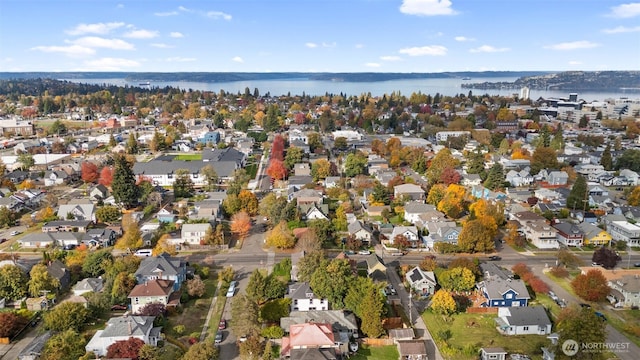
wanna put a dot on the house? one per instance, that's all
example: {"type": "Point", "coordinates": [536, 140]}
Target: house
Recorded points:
{"type": "Point", "coordinates": [80, 226]}
{"type": "Point", "coordinates": [331, 181]}
{"type": "Point", "coordinates": [55, 177]}
{"type": "Point", "coordinates": [624, 231]}
{"type": "Point", "coordinates": [302, 169]}
{"type": "Point", "coordinates": [632, 177]}
{"type": "Point", "coordinates": [413, 210]}
{"type": "Point", "coordinates": [209, 138]}
{"type": "Point", "coordinates": [518, 178]}
{"type": "Point", "coordinates": [545, 194]}
{"type": "Point", "coordinates": [628, 287]}
{"type": "Point", "coordinates": [49, 239]}
{"type": "Point", "coordinates": [297, 182]}
{"type": "Point", "coordinates": [87, 285]}
{"type": "Point", "coordinates": [361, 231]}
{"type": "Point", "coordinates": [423, 282]}
{"type": "Point", "coordinates": [33, 350]}
{"type": "Point", "coordinates": [157, 291]}
{"type": "Point", "coordinates": [527, 320]}
{"type": "Point", "coordinates": [121, 329]}
{"type": "Point", "coordinates": [308, 336]}
{"type": "Point", "coordinates": [558, 178]}
{"type": "Point", "coordinates": [409, 232]}
{"type": "Point", "coordinates": [314, 211]}
{"type": "Point", "coordinates": [500, 292]}
{"type": "Point", "coordinates": [541, 234]}
{"type": "Point", "coordinates": [410, 191]}
{"type": "Point", "coordinates": [166, 215]}
{"type": "Point", "coordinates": [194, 234]}
{"type": "Point", "coordinates": [100, 192]}
{"type": "Point", "coordinates": [307, 196]}
{"type": "Point", "coordinates": [101, 237]}
{"type": "Point", "coordinates": [59, 271]}
{"type": "Point", "coordinates": [493, 354]}
{"type": "Point", "coordinates": [593, 235]}
{"type": "Point", "coordinates": [471, 180]}
{"type": "Point", "coordinates": [303, 298]}
{"type": "Point", "coordinates": [84, 211]}
{"type": "Point", "coordinates": [164, 267]}
{"type": "Point", "coordinates": [568, 234]}
{"type": "Point", "coordinates": [442, 232]}
{"type": "Point", "coordinates": [401, 334]}
{"type": "Point", "coordinates": [376, 268]}
{"type": "Point", "coordinates": [341, 321]}
{"type": "Point", "coordinates": [412, 350]}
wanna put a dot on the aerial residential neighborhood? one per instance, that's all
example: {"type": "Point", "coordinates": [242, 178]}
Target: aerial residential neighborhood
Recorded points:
{"type": "Point", "coordinates": [204, 225]}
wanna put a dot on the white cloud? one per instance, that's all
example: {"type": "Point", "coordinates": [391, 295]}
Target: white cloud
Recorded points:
{"type": "Point", "coordinates": [359, 46]}
{"type": "Point", "coordinates": [218, 15]}
{"type": "Point", "coordinates": [329, 45]}
{"type": "Point", "coordinates": [372, 65]}
{"type": "Point", "coordinates": [621, 29]}
{"type": "Point", "coordinates": [72, 50]}
{"type": "Point", "coordinates": [488, 49]}
{"type": "Point", "coordinates": [97, 28]}
{"type": "Point", "coordinates": [182, 8]}
{"type": "Point", "coordinates": [98, 42]}
{"type": "Point", "coordinates": [311, 45]}
{"type": "Point", "coordinates": [180, 59]}
{"type": "Point", "coordinates": [625, 10]}
{"type": "Point", "coordinates": [574, 45]}
{"type": "Point", "coordinates": [110, 64]}
{"type": "Point", "coordinates": [162, 46]}
{"type": "Point", "coordinates": [237, 59]}
{"type": "Point", "coordinates": [463, 38]}
{"type": "Point", "coordinates": [434, 50]}
{"type": "Point", "coordinates": [575, 62]}
{"type": "Point", "coordinates": [141, 34]}
{"type": "Point", "coordinates": [390, 58]}
{"type": "Point", "coordinates": [167, 13]}
{"type": "Point", "coordinates": [120, 6]}
{"type": "Point", "coordinates": [427, 7]}
{"type": "Point", "coordinates": [176, 35]}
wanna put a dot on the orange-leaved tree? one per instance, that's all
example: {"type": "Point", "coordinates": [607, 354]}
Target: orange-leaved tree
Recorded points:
{"type": "Point", "coordinates": [241, 224]}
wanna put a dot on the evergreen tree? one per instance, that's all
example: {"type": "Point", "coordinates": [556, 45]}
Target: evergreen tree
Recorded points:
{"type": "Point", "coordinates": [123, 186]}
{"type": "Point", "coordinates": [606, 160]}
{"type": "Point", "coordinates": [495, 178]}
{"type": "Point", "coordinates": [112, 140]}
{"type": "Point", "coordinates": [183, 185]}
{"type": "Point", "coordinates": [475, 163]}
{"type": "Point", "coordinates": [578, 194]}
{"type": "Point", "coordinates": [132, 144]}
{"type": "Point", "coordinates": [584, 122]}
{"type": "Point", "coordinates": [557, 143]}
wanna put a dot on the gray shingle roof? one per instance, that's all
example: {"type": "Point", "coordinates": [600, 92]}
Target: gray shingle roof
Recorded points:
{"type": "Point", "coordinates": [528, 315]}
{"type": "Point", "coordinates": [168, 265]}
{"type": "Point", "coordinates": [497, 287]}
{"type": "Point", "coordinates": [128, 325]}
{"type": "Point", "coordinates": [339, 319]}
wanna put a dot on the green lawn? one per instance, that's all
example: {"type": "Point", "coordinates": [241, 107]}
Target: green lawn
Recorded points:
{"type": "Point", "coordinates": [194, 312]}
{"type": "Point", "coordinates": [627, 322]}
{"type": "Point", "coordinates": [461, 337]}
{"type": "Point", "coordinates": [189, 157]}
{"type": "Point", "coordinates": [252, 170]}
{"type": "Point", "coordinates": [377, 353]}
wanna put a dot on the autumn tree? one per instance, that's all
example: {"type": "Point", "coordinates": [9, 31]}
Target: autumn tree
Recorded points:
{"type": "Point", "coordinates": [205, 350]}
{"type": "Point", "coordinates": [436, 193]}
{"type": "Point", "coordinates": [429, 263]}
{"type": "Point", "coordinates": [13, 282]}
{"type": "Point", "coordinates": [164, 246]}
{"type": "Point", "coordinates": [65, 345]}
{"type": "Point", "coordinates": [634, 197]}
{"type": "Point", "coordinates": [11, 323]}
{"type": "Point", "coordinates": [482, 207]}
{"type": "Point", "coordinates": [106, 176]}
{"type": "Point", "coordinates": [40, 280]}
{"type": "Point", "coordinates": [439, 163]}
{"type": "Point", "coordinates": [276, 169]}
{"type": "Point", "coordinates": [355, 164]}
{"type": "Point", "coordinates": [583, 326]}
{"type": "Point", "coordinates": [89, 172]}
{"type": "Point", "coordinates": [453, 201]}
{"type": "Point", "coordinates": [464, 262]}
{"type": "Point", "coordinates": [248, 202]}
{"type": "Point", "coordinates": [543, 158]}
{"type": "Point", "coordinates": [320, 169]}
{"type": "Point", "coordinates": [606, 257]}
{"type": "Point", "coordinates": [443, 303]}
{"type": "Point", "coordinates": [591, 286]}
{"type": "Point", "coordinates": [478, 235]}
{"type": "Point", "coordinates": [449, 176]}
{"type": "Point", "coordinates": [196, 287]}
{"type": "Point", "coordinates": [294, 156]}
{"type": "Point", "coordinates": [125, 349]}
{"type": "Point", "coordinates": [512, 236]}
{"type": "Point", "coordinates": [280, 236]}
{"type": "Point", "coordinates": [457, 279]}
{"type": "Point", "coordinates": [67, 315]}
{"type": "Point", "coordinates": [108, 214]}
{"type": "Point", "coordinates": [241, 225]}
{"type": "Point", "coordinates": [131, 239]}
{"type": "Point", "coordinates": [401, 242]}
{"type": "Point", "coordinates": [309, 241]}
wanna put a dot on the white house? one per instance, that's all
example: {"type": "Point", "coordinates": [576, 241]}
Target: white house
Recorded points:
{"type": "Point", "coordinates": [303, 298]}
{"type": "Point", "coordinates": [152, 292]}
{"type": "Point", "coordinates": [193, 234]}
{"type": "Point", "coordinates": [525, 320]}
{"type": "Point", "coordinates": [413, 210]}
{"type": "Point", "coordinates": [88, 285]}
{"type": "Point", "coordinates": [409, 232]}
{"type": "Point", "coordinates": [422, 282]}
{"type": "Point", "coordinates": [541, 234]}
{"type": "Point", "coordinates": [624, 231]}
{"type": "Point", "coordinates": [121, 329]}
{"type": "Point", "coordinates": [362, 232]}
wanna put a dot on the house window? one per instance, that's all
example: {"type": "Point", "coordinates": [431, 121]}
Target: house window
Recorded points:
{"type": "Point", "coordinates": [135, 300]}
{"type": "Point", "coordinates": [525, 328]}
{"type": "Point", "coordinates": [509, 296]}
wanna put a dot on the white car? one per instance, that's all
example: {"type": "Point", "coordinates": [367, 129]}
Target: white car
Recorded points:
{"type": "Point", "coordinates": [15, 232]}
{"type": "Point", "coordinates": [364, 252]}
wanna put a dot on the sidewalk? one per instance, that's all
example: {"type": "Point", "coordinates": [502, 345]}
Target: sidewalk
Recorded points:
{"type": "Point", "coordinates": [205, 327]}
{"type": "Point", "coordinates": [418, 323]}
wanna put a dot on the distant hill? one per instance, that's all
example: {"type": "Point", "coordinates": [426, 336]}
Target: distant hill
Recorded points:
{"type": "Point", "coordinates": [214, 77]}
{"type": "Point", "coordinates": [570, 80]}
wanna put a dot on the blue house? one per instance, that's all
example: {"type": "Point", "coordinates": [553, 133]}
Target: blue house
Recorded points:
{"type": "Point", "coordinates": [166, 215]}
{"type": "Point", "coordinates": [482, 192]}
{"type": "Point", "coordinates": [210, 138]}
{"type": "Point", "coordinates": [500, 292]}
{"type": "Point", "coordinates": [162, 267]}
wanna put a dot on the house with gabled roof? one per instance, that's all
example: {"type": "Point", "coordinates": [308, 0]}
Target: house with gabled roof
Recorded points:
{"type": "Point", "coordinates": [157, 291]}
{"type": "Point", "coordinates": [526, 320]}
{"type": "Point", "coordinates": [376, 269]}
{"type": "Point", "coordinates": [86, 211]}
{"type": "Point", "coordinates": [341, 321]}
{"type": "Point", "coordinates": [499, 292]}
{"type": "Point", "coordinates": [86, 285]}
{"type": "Point", "coordinates": [442, 231]}
{"type": "Point", "coordinates": [163, 267]}
{"type": "Point", "coordinates": [412, 349]}
{"type": "Point", "coordinates": [303, 298]}
{"type": "Point", "coordinates": [308, 336]}
{"type": "Point", "coordinates": [593, 235]}
{"type": "Point", "coordinates": [121, 329]}
{"type": "Point", "coordinates": [568, 234]}
{"type": "Point", "coordinates": [413, 210]}
{"type": "Point", "coordinates": [411, 191]}
{"type": "Point", "coordinates": [423, 282]}
{"type": "Point", "coordinates": [361, 231]}
{"type": "Point", "coordinates": [314, 211]}
{"type": "Point", "coordinates": [409, 232]}
{"type": "Point", "coordinates": [194, 234]}
{"type": "Point", "coordinates": [307, 196]}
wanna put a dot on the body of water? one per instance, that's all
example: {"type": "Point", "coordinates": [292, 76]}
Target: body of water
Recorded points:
{"type": "Point", "coordinates": [450, 87]}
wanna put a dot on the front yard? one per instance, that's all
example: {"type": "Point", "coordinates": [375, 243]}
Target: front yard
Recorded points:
{"type": "Point", "coordinates": [366, 352]}
{"type": "Point", "coordinates": [462, 335]}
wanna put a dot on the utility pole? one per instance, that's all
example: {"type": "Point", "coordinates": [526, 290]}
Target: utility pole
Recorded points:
{"type": "Point", "coordinates": [410, 307]}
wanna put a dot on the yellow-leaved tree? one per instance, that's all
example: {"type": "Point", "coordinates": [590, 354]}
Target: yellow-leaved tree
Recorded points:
{"type": "Point", "coordinates": [281, 237]}
{"type": "Point", "coordinates": [443, 303]}
{"type": "Point", "coordinates": [240, 225]}
{"type": "Point", "coordinates": [131, 239]}
{"type": "Point", "coordinates": [163, 246]}
{"type": "Point", "coordinates": [453, 202]}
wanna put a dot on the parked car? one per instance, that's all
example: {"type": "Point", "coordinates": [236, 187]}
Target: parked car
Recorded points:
{"type": "Point", "coordinates": [495, 258]}
{"type": "Point", "coordinates": [218, 337]}
{"type": "Point", "coordinates": [397, 253]}
{"type": "Point", "coordinates": [561, 303]}
{"type": "Point", "coordinates": [364, 252]}
{"type": "Point", "coordinates": [2, 240]}
{"type": "Point", "coordinates": [222, 324]}
{"type": "Point", "coordinates": [553, 296]}
{"type": "Point", "coordinates": [637, 264]}
{"type": "Point", "coordinates": [601, 316]}
{"type": "Point", "coordinates": [15, 232]}
{"type": "Point", "coordinates": [118, 307]}
{"type": "Point", "coordinates": [232, 289]}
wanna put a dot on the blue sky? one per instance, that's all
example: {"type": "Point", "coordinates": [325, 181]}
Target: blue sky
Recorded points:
{"type": "Point", "coordinates": [319, 36]}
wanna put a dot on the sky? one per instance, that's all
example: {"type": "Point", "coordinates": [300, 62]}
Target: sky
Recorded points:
{"type": "Point", "coordinates": [319, 36]}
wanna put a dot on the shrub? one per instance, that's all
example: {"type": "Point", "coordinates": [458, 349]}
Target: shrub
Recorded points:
{"type": "Point", "coordinates": [179, 329]}
{"type": "Point", "coordinates": [559, 271]}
